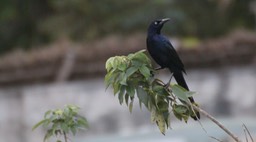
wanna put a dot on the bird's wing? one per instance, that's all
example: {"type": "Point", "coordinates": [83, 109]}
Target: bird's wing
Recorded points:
{"type": "Point", "coordinates": [170, 52]}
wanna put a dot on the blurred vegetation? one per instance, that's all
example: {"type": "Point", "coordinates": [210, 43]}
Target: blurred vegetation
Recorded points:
{"type": "Point", "coordinates": [26, 23]}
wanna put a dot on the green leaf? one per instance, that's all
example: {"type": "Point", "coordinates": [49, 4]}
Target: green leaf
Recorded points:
{"type": "Point", "coordinates": [126, 99]}
{"type": "Point", "coordinates": [141, 57]}
{"type": "Point", "coordinates": [39, 123]}
{"type": "Point", "coordinates": [177, 115]}
{"type": "Point", "coordinates": [180, 93]}
{"type": "Point", "coordinates": [116, 62]}
{"type": "Point", "coordinates": [55, 126]}
{"type": "Point", "coordinates": [48, 134]}
{"type": "Point", "coordinates": [130, 106]}
{"type": "Point", "coordinates": [136, 64]}
{"type": "Point", "coordinates": [143, 96]}
{"type": "Point", "coordinates": [116, 87]}
{"type": "Point", "coordinates": [58, 112]}
{"type": "Point", "coordinates": [122, 78]}
{"type": "Point", "coordinates": [64, 127]}
{"type": "Point", "coordinates": [109, 63]}
{"type": "Point", "coordinates": [181, 112]}
{"type": "Point", "coordinates": [167, 119]}
{"type": "Point", "coordinates": [82, 122]}
{"type": "Point", "coordinates": [190, 93]}
{"type": "Point", "coordinates": [121, 94]}
{"type": "Point", "coordinates": [130, 90]}
{"type": "Point", "coordinates": [110, 78]}
{"type": "Point", "coordinates": [162, 106]}
{"type": "Point", "coordinates": [47, 113]}
{"type": "Point", "coordinates": [122, 64]}
{"type": "Point", "coordinates": [130, 71]}
{"type": "Point", "coordinates": [145, 71]}
{"type": "Point", "coordinates": [181, 109]}
{"type": "Point", "coordinates": [73, 130]}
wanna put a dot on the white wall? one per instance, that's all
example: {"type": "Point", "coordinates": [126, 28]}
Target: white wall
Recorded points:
{"type": "Point", "coordinates": [22, 107]}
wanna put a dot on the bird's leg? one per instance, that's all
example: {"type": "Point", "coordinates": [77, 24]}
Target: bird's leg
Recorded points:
{"type": "Point", "coordinates": [168, 83]}
{"type": "Point", "coordinates": [159, 68]}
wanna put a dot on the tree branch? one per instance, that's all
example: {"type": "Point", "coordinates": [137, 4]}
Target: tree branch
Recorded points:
{"type": "Point", "coordinates": [65, 136]}
{"type": "Point", "coordinates": [217, 123]}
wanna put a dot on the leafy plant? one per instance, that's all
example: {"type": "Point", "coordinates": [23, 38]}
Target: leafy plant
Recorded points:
{"type": "Point", "coordinates": [133, 75]}
{"type": "Point", "coordinates": [61, 122]}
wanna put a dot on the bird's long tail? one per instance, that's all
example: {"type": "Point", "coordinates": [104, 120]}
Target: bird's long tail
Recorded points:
{"type": "Point", "coordinates": [181, 81]}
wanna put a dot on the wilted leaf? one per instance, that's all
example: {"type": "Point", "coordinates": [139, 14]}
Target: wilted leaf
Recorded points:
{"type": "Point", "coordinates": [160, 123]}
{"type": "Point", "coordinates": [153, 116]}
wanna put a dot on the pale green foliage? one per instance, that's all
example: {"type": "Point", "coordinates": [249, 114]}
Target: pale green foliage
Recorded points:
{"type": "Point", "coordinates": [133, 74]}
{"type": "Point", "coordinates": [62, 122]}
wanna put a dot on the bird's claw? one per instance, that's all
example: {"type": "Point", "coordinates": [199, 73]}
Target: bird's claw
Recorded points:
{"type": "Point", "coordinates": [152, 73]}
{"type": "Point", "coordinates": [166, 86]}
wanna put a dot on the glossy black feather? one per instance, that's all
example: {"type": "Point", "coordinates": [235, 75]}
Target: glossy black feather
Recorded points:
{"type": "Point", "coordinates": [162, 51]}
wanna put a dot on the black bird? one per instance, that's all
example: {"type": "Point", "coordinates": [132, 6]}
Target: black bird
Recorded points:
{"type": "Point", "coordinates": [162, 51]}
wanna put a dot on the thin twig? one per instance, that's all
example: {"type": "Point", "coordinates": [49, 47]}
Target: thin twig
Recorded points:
{"type": "Point", "coordinates": [191, 105]}
{"type": "Point", "coordinates": [245, 135]}
{"type": "Point", "coordinates": [217, 123]}
{"type": "Point", "coordinates": [215, 139]}
{"type": "Point", "coordinates": [246, 129]}
{"type": "Point", "coordinates": [65, 136]}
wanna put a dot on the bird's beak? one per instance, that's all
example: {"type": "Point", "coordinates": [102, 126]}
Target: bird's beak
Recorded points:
{"type": "Point", "coordinates": [165, 20]}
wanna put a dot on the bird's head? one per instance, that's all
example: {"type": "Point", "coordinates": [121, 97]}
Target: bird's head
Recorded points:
{"type": "Point", "coordinates": [156, 26]}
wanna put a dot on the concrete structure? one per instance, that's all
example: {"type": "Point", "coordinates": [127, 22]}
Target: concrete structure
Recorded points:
{"type": "Point", "coordinates": [22, 107]}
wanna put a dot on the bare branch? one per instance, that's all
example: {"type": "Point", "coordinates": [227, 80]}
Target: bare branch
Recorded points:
{"type": "Point", "coordinates": [246, 130]}
{"type": "Point", "coordinates": [245, 135]}
{"type": "Point", "coordinates": [65, 136]}
{"type": "Point", "coordinates": [217, 123]}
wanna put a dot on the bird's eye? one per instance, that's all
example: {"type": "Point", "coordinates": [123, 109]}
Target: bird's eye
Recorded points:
{"type": "Point", "coordinates": [156, 23]}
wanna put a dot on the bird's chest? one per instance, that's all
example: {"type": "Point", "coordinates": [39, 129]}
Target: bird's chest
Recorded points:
{"type": "Point", "coordinates": [155, 47]}
{"type": "Point", "coordinates": [157, 51]}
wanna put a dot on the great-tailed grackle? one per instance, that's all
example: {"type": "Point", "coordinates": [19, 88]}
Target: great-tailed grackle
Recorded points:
{"type": "Point", "coordinates": [162, 51]}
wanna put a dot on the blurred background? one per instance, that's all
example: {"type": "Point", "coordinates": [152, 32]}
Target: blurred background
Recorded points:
{"type": "Point", "coordinates": [53, 52]}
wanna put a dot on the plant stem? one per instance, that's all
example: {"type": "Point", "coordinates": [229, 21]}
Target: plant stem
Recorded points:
{"type": "Point", "coordinates": [65, 136]}
{"type": "Point", "coordinates": [217, 123]}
